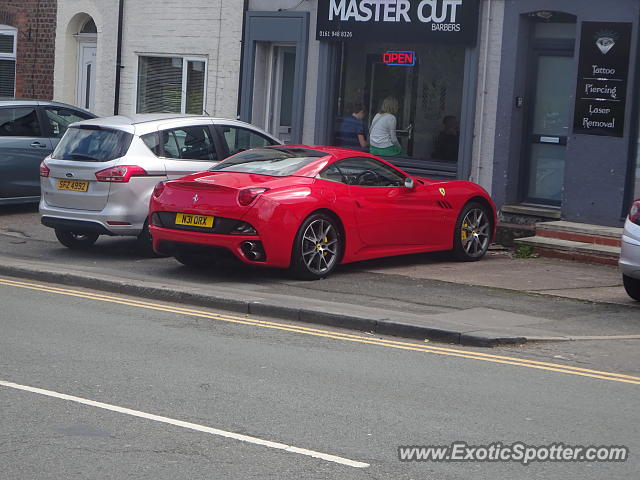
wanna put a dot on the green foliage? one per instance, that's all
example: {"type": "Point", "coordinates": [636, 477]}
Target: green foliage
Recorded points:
{"type": "Point", "coordinates": [524, 251]}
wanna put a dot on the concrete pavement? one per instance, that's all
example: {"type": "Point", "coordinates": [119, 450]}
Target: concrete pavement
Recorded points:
{"type": "Point", "coordinates": [547, 276]}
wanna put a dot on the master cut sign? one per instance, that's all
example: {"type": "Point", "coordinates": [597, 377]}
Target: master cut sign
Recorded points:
{"type": "Point", "coordinates": [437, 11]}
{"type": "Point", "coordinates": [449, 21]}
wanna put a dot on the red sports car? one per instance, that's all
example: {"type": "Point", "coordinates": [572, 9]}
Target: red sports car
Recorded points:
{"type": "Point", "coordinates": [312, 208]}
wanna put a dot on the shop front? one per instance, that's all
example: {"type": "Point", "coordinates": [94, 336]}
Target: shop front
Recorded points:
{"type": "Point", "coordinates": [302, 80]}
{"type": "Point", "coordinates": [567, 131]}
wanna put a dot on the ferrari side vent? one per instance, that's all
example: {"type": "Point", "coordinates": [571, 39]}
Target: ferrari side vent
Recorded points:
{"type": "Point", "coordinates": [445, 205]}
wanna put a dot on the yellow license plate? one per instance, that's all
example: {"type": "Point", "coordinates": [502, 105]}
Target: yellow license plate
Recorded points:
{"type": "Point", "coordinates": [73, 185]}
{"type": "Point", "coordinates": [194, 220]}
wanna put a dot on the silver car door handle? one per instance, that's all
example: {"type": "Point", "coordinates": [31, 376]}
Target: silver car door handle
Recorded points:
{"type": "Point", "coordinates": [38, 145]}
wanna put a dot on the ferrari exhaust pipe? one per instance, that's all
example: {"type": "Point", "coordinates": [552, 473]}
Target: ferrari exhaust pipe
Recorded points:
{"type": "Point", "coordinates": [253, 251]}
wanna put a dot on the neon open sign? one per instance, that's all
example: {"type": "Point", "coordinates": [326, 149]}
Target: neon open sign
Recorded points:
{"type": "Point", "coordinates": [399, 58]}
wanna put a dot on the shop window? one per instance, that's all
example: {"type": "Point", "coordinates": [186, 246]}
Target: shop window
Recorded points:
{"type": "Point", "coordinates": [426, 81]}
{"type": "Point", "coordinates": [171, 85]}
{"type": "Point", "coordinates": [7, 61]}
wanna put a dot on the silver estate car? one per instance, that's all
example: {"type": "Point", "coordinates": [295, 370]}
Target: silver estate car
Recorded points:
{"type": "Point", "coordinates": [99, 179]}
{"type": "Point", "coordinates": [630, 252]}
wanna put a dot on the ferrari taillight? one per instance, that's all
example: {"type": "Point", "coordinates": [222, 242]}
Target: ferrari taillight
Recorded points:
{"type": "Point", "coordinates": [158, 189]}
{"type": "Point", "coordinates": [634, 212]}
{"type": "Point", "coordinates": [120, 174]}
{"type": "Point", "coordinates": [44, 170]}
{"type": "Point", "coordinates": [248, 195]}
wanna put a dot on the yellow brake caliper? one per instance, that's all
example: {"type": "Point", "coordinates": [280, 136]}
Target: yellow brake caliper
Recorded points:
{"type": "Point", "coordinates": [464, 231]}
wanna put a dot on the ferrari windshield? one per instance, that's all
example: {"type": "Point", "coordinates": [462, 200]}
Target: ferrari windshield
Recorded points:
{"type": "Point", "coordinates": [275, 162]}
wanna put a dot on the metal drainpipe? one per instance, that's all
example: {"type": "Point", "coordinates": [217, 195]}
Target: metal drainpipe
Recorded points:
{"type": "Point", "coordinates": [116, 101]}
{"type": "Point", "coordinates": [245, 8]}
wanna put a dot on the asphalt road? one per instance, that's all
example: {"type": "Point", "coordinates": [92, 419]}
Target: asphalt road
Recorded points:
{"type": "Point", "coordinates": [355, 397]}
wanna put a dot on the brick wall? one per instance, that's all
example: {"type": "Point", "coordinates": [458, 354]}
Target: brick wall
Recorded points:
{"type": "Point", "coordinates": [36, 24]}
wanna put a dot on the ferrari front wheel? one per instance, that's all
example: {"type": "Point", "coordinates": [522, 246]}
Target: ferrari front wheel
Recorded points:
{"type": "Point", "coordinates": [472, 233]}
{"type": "Point", "coordinates": [317, 247]}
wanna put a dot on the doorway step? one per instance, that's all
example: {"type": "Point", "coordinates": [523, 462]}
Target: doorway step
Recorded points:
{"type": "Point", "coordinates": [517, 221]}
{"type": "Point", "coordinates": [575, 241]}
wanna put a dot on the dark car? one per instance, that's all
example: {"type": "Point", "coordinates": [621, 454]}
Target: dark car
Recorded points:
{"type": "Point", "coordinates": [29, 131]}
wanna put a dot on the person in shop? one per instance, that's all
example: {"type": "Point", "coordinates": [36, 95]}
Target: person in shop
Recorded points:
{"type": "Point", "coordinates": [350, 132]}
{"type": "Point", "coordinates": [382, 135]}
{"type": "Point", "coordinates": [446, 143]}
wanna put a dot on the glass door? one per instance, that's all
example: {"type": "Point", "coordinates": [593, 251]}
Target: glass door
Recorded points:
{"type": "Point", "coordinates": [550, 123]}
{"type": "Point", "coordinates": [283, 69]}
{"type": "Point", "coordinates": [398, 82]}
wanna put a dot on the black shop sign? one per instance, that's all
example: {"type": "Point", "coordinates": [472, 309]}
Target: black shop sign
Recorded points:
{"type": "Point", "coordinates": [603, 69]}
{"type": "Point", "coordinates": [414, 21]}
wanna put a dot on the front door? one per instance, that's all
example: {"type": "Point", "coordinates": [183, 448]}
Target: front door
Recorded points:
{"type": "Point", "coordinates": [399, 82]}
{"type": "Point", "coordinates": [87, 75]}
{"type": "Point", "coordinates": [280, 108]}
{"type": "Point", "coordinates": [549, 126]}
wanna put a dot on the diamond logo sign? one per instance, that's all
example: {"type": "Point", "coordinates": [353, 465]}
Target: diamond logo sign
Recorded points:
{"type": "Point", "coordinates": [605, 41]}
{"type": "Point", "coordinates": [605, 44]}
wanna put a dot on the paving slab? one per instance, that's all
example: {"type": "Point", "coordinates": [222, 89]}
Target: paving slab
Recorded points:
{"type": "Point", "coordinates": [501, 270]}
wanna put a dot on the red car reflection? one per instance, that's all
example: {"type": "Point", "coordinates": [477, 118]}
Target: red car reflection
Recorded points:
{"type": "Point", "coordinates": [311, 208]}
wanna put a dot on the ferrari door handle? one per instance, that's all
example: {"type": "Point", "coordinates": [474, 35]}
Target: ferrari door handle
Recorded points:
{"type": "Point", "coordinates": [358, 204]}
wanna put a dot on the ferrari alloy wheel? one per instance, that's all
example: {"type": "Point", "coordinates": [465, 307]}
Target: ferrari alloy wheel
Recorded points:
{"type": "Point", "coordinates": [318, 247]}
{"type": "Point", "coordinates": [76, 240]}
{"type": "Point", "coordinates": [472, 233]}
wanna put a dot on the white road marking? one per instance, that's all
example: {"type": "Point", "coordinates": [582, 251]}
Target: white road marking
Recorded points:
{"type": "Point", "coordinates": [190, 426]}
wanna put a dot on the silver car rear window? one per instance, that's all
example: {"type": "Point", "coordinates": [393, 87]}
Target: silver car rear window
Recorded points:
{"type": "Point", "coordinates": [92, 144]}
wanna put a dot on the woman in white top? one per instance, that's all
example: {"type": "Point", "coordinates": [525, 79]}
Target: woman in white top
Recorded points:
{"type": "Point", "coordinates": [382, 135]}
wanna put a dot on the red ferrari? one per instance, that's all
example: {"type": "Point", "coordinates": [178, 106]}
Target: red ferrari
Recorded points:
{"type": "Point", "coordinates": [312, 208]}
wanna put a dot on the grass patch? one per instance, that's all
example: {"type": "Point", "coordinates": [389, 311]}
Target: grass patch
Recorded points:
{"type": "Point", "coordinates": [524, 251]}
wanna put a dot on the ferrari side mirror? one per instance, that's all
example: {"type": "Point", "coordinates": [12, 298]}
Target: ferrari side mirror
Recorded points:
{"type": "Point", "coordinates": [408, 183]}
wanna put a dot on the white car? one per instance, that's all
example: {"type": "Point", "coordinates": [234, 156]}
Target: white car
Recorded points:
{"type": "Point", "coordinates": [99, 179]}
{"type": "Point", "coordinates": [630, 252]}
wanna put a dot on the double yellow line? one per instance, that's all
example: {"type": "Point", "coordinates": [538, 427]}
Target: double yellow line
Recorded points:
{"type": "Point", "coordinates": [347, 337]}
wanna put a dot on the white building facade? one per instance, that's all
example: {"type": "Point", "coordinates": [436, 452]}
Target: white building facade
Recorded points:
{"type": "Point", "coordinates": [173, 56]}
